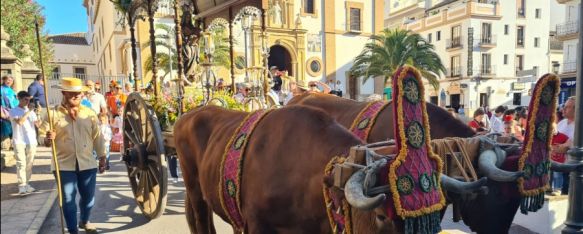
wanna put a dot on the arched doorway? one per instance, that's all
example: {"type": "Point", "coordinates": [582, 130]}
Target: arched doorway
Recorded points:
{"type": "Point", "coordinates": [280, 57]}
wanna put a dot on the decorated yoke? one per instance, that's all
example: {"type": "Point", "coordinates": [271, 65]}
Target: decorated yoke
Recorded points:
{"type": "Point", "coordinates": [413, 176]}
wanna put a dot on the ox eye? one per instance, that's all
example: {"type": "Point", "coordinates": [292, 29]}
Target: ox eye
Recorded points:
{"type": "Point", "coordinates": [381, 218]}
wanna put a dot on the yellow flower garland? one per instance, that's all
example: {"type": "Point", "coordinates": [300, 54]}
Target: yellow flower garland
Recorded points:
{"type": "Point", "coordinates": [327, 200]}
{"type": "Point", "coordinates": [403, 152]}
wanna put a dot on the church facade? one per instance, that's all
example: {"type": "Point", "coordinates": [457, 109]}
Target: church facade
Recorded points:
{"type": "Point", "coordinates": [307, 39]}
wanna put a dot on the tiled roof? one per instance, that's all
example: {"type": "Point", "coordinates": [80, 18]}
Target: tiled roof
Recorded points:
{"type": "Point", "coordinates": [69, 38]}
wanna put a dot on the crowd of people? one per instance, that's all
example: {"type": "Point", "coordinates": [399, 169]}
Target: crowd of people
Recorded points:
{"type": "Point", "coordinates": [85, 118]}
{"type": "Point", "coordinates": [513, 122]}
{"type": "Point", "coordinates": [282, 92]}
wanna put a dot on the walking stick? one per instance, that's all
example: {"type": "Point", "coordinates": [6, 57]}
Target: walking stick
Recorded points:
{"type": "Point", "coordinates": [54, 150]}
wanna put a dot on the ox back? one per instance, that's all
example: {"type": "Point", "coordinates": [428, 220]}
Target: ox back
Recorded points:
{"type": "Point", "coordinates": [283, 168]}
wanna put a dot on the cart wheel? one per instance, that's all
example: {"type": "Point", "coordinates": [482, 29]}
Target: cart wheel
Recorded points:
{"type": "Point", "coordinates": [145, 156]}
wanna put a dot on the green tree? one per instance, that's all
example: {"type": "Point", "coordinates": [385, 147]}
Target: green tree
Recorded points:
{"type": "Point", "coordinates": [386, 52]}
{"type": "Point", "coordinates": [18, 20]}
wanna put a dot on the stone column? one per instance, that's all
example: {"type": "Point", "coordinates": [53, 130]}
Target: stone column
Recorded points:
{"type": "Point", "coordinates": [29, 68]}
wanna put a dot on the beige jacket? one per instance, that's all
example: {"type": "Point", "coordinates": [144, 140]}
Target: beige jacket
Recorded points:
{"type": "Point", "coordinates": [76, 140]}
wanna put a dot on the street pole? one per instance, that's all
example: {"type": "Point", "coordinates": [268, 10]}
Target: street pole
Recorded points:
{"type": "Point", "coordinates": [574, 222]}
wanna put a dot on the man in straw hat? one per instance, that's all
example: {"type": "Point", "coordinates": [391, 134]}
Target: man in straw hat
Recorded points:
{"type": "Point", "coordinates": [76, 135]}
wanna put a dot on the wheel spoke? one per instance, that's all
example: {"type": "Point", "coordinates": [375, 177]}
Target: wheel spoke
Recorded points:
{"type": "Point", "coordinates": [132, 138]}
{"type": "Point", "coordinates": [146, 192]}
{"type": "Point", "coordinates": [133, 172]}
{"type": "Point", "coordinates": [154, 172]}
{"type": "Point", "coordinates": [140, 190]}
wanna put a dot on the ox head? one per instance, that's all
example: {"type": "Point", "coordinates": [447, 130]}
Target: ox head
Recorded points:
{"type": "Point", "coordinates": [365, 196]}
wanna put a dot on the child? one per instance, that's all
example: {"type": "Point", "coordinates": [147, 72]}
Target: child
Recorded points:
{"type": "Point", "coordinates": [107, 134]}
{"type": "Point", "coordinates": [511, 129]}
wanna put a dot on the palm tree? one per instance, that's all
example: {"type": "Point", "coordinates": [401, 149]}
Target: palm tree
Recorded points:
{"type": "Point", "coordinates": [163, 58]}
{"type": "Point", "coordinates": [385, 53]}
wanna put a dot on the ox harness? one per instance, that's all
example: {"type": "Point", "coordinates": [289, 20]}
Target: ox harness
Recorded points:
{"type": "Point", "coordinates": [231, 168]}
{"type": "Point", "coordinates": [413, 176]}
{"type": "Point", "coordinates": [365, 120]}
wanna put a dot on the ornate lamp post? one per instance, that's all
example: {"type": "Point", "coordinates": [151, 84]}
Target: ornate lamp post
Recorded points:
{"type": "Point", "coordinates": [132, 10]}
{"type": "Point", "coordinates": [178, 37]}
{"type": "Point", "coordinates": [209, 49]}
{"type": "Point", "coordinates": [246, 22]}
{"type": "Point", "coordinates": [574, 222]}
{"type": "Point", "coordinates": [151, 7]}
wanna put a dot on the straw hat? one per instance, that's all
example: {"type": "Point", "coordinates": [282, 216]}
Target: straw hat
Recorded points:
{"type": "Point", "coordinates": [302, 85]}
{"type": "Point", "coordinates": [70, 84]}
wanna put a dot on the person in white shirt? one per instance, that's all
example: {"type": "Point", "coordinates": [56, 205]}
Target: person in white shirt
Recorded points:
{"type": "Point", "coordinates": [24, 121]}
{"type": "Point", "coordinates": [567, 127]}
{"type": "Point", "coordinates": [496, 124]}
{"type": "Point", "coordinates": [97, 100]}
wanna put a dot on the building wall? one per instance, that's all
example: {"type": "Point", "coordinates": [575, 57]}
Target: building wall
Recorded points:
{"type": "Point", "coordinates": [498, 86]}
{"type": "Point", "coordinates": [67, 57]}
{"type": "Point", "coordinates": [108, 37]}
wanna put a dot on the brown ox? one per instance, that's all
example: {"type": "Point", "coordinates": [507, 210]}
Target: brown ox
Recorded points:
{"type": "Point", "coordinates": [283, 171]}
{"type": "Point", "coordinates": [489, 213]}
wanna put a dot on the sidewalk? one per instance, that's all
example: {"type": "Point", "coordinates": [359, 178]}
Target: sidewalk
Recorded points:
{"type": "Point", "coordinates": [25, 214]}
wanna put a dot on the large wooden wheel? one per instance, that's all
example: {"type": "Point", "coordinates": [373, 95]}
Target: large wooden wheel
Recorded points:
{"type": "Point", "coordinates": [144, 156]}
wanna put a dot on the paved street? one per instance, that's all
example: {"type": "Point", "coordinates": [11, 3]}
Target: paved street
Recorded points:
{"type": "Point", "coordinates": [116, 211]}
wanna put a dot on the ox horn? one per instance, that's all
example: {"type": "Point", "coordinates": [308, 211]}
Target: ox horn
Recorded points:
{"type": "Point", "coordinates": [354, 193]}
{"type": "Point", "coordinates": [452, 185]}
{"type": "Point", "coordinates": [487, 164]}
{"type": "Point", "coordinates": [565, 167]}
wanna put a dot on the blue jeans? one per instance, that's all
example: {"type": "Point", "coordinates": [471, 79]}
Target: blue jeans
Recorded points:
{"type": "Point", "coordinates": [173, 166]}
{"type": "Point", "coordinates": [557, 180]}
{"type": "Point", "coordinates": [84, 181]}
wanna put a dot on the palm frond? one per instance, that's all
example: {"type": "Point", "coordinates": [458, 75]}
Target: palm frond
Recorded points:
{"type": "Point", "coordinates": [386, 52]}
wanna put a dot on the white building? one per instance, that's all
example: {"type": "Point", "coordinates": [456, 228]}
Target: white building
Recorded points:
{"type": "Point", "coordinates": [568, 33]}
{"type": "Point", "coordinates": [491, 49]}
{"type": "Point", "coordinates": [73, 56]}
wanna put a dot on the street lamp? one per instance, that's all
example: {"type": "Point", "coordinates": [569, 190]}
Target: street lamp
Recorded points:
{"type": "Point", "coordinates": [246, 22]}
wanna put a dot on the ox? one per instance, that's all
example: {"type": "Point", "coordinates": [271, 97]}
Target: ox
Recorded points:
{"type": "Point", "coordinates": [283, 173]}
{"type": "Point", "coordinates": [488, 213]}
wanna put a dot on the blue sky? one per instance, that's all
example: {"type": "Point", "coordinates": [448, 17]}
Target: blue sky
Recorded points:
{"type": "Point", "coordinates": [64, 16]}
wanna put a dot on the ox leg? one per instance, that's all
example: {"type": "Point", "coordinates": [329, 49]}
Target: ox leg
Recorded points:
{"type": "Point", "coordinates": [198, 214]}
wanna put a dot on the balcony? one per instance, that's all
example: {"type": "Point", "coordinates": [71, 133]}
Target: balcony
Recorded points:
{"type": "Point", "coordinates": [568, 30]}
{"type": "Point", "coordinates": [454, 43]}
{"type": "Point", "coordinates": [518, 69]}
{"type": "Point", "coordinates": [452, 72]}
{"type": "Point", "coordinates": [487, 70]}
{"type": "Point", "coordinates": [520, 12]}
{"type": "Point", "coordinates": [569, 67]}
{"type": "Point", "coordinates": [520, 42]}
{"type": "Point", "coordinates": [486, 42]}
{"type": "Point", "coordinates": [439, 16]}
{"type": "Point", "coordinates": [566, 1]}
